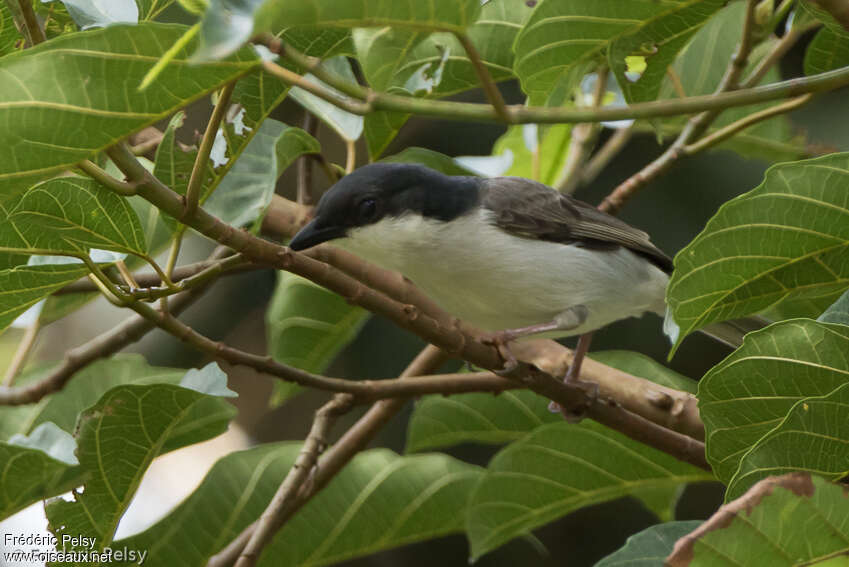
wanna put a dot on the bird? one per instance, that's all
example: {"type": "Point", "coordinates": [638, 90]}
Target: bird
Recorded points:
{"type": "Point", "coordinates": [508, 255]}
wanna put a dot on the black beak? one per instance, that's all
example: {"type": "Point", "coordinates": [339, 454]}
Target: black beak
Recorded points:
{"type": "Point", "coordinates": [311, 235]}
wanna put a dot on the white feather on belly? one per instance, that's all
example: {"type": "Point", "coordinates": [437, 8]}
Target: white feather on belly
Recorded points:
{"type": "Point", "coordinates": [495, 281]}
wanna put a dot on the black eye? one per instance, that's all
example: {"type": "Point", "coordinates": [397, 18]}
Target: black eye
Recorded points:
{"type": "Point", "coordinates": [367, 210]}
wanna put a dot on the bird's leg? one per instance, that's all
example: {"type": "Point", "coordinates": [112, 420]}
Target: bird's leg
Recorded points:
{"type": "Point", "coordinates": [569, 319]}
{"type": "Point", "coordinates": [575, 414]}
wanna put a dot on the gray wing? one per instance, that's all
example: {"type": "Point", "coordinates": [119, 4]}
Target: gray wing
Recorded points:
{"type": "Point", "coordinates": [533, 210]}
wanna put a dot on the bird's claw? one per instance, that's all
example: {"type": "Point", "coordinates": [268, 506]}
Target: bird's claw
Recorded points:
{"type": "Point", "coordinates": [500, 342]}
{"type": "Point", "coordinates": [577, 412]}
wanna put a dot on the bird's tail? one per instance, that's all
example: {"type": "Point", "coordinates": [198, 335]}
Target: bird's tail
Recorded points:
{"type": "Point", "coordinates": [729, 332]}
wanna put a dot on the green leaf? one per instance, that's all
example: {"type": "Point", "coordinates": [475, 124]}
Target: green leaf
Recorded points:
{"type": "Point", "coordinates": [10, 37]}
{"type": "Point", "coordinates": [53, 84]}
{"type": "Point", "coordinates": [813, 437]}
{"type": "Point", "coordinates": [348, 126]}
{"type": "Point", "coordinates": [173, 165]}
{"type": "Point", "coordinates": [443, 421]}
{"type": "Point", "coordinates": [22, 287]}
{"type": "Point", "coordinates": [117, 439]}
{"type": "Point", "coordinates": [762, 536]}
{"type": "Point", "coordinates": [90, 13]}
{"type": "Point", "coordinates": [319, 42]}
{"type": "Point", "coordinates": [307, 326]}
{"type": "Point", "coordinates": [32, 469]}
{"type": "Point", "coordinates": [560, 468]}
{"type": "Point", "coordinates": [70, 215]}
{"type": "Point", "coordinates": [699, 69]}
{"type": "Point", "coordinates": [749, 393]}
{"type": "Point", "coordinates": [650, 547]}
{"type": "Point", "coordinates": [82, 391]}
{"type": "Point", "coordinates": [244, 194]}
{"type": "Point", "coordinates": [838, 312]}
{"type": "Point", "coordinates": [550, 67]}
{"type": "Point", "coordinates": [380, 128]}
{"type": "Point", "coordinates": [379, 501]}
{"type": "Point", "coordinates": [430, 158]}
{"type": "Point", "coordinates": [150, 9]}
{"type": "Point", "coordinates": [782, 243]}
{"type": "Point", "coordinates": [828, 50]}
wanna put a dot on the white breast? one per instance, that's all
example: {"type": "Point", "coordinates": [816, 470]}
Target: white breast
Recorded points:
{"type": "Point", "coordinates": [494, 280]}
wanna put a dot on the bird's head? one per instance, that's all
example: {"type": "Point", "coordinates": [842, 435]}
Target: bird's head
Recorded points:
{"type": "Point", "coordinates": [380, 190]}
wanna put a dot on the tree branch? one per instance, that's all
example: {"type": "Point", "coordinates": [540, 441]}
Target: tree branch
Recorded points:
{"type": "Point", "coordinates": [493, 95]}
{"type": "Point", "coordinates": [35, 34]}
{"type": "Point", "coordinates": [582, 140]}
{"type": "Point", "coordinates": [364, 100]}
{"type": "Point", "coordinates": [202, 158]}
{"type": "Point", "coordinates": [285, 499]}
{"type": "Point", "coordinates": [334, 459]}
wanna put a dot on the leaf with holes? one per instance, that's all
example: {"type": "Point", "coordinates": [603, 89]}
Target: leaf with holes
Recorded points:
{"type": "Point", "coordinates": [813, 437]}
{"type": "Point", "coordinates": [378, 501]}
{"type": "Point", "coordinates": [244, 194]}
{"type": "Point", "coordinates": [565, 39]}
{"type": "Point", "coordinates": [46, 96]}
{"type": "Point", "coordinates": [747, 395]}
{"type": "Point", "coordinates": [782, 244]}
{"type": "Point", "coordinates": [120, 435]}
{"type": "Point", "coordinates": [560, 468]}
{"type": "Point", "coordinates": [307, 326]}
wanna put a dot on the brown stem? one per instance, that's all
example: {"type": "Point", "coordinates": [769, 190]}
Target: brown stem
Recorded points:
{"type": "Point", "coordinates": [285, 499]}
{"type": "Point", "coordinates": [582, 140]}
{"type": "Point", "coordinates": [202, 159]}
{"type": "Point", "coordinates": [310, 125]}
{"type": "Point", "coordinates": [35, 34]}
{"type": "Point", "coordinates": [22, 353]}
{"type": "Point", "coordinates": [493, 95]}
{"type": "Point", "coordinates": [340, 454]}
{"type": "Point", "coordinates": [606, 153]}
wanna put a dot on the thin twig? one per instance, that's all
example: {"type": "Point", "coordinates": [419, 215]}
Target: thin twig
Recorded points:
{"type": "Point", "coordinates": [340, 454]}
{"type": "Point", "coordinates": [285, 499]}
{"type": "Point", "coordinates": [350, 155]}
{"type": "Point", "coordinates": [95, 172]}
{"type": "Point", "coordinates": [22, 353]}
{"type": "Point", "coordinates": [726, 132]}
{"type": "Point", "coordinates": [609, 150]}
{"type": "Point", "coordinates": [304, 197]}
{"type": "Point", "coordinates": [694, 128]}
{"type": "Point", "coordinates": [583, 139]}
{"type": "Point", "coordinates": [364, 100]}
{"type": "Point", "coordinates": [202, 159]}
{"type": "Point", "coordinates": [493, 95]}
{"type": "Point", "coordinates": [778, 51]}
{"type": "Point", "coordinates": [35, 34]}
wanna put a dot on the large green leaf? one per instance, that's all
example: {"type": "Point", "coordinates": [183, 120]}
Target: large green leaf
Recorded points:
{"type": "Point", "coordinates": [70, 215]}
{"type": "Point", "coordinates": [557, 469]}
{"type": "Point", "coordinates": [828, 50]}
{"type": "Point", "coordinates": [784, 529]}
{"type": "Point", "coordinates": [650, 547]}
{"type": "Point", "coordinates": [227, 24]}
{"type": "Point", "coordinates": [244, 194]}
{"type": "Point", "coordinates": [34, 468]}
{"type": "Point", "coordinates": [82, 391]}
{"type": "Point", "coordinates": [430, 158]}
{"type": "Point", "coordinates": [565, 39]}
{"type": "Point", "coordinates": [149, 9]}
{"type": "Point", "coordinates": [173, 165]}
{"type": "Point", "coordinates": [22, 287]}
{"type": "Point", "coordinates": [120, 435]}
{"type": "Point", "coordinates": [814, 437]}
{"type": "Point", "coordinates": [378, 501]}
{"type": "Point", "coordinates": [60, 101]}
{"type": "Point", "coordinates": [780, 245]}
{"type": "Point", "coordinates": [307, 326]}
{"type": "Point", "coordinates": [699, 69]}
{"type": "Point", "coordinates": [749, 393]}
{"type": "Point", "coordinates": [349, 126]}
{"type": "Point", "coordinates": [537, 153]}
